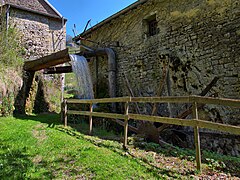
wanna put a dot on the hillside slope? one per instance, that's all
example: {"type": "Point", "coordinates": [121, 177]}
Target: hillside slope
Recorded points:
{"type": "Point", "coordinates": [40, 148]}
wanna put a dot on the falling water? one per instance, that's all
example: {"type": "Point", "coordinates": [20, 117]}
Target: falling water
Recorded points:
{"type": "Point", "coordinates": [82, 73]}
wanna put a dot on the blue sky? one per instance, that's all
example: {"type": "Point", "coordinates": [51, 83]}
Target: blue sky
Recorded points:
{"type": "Point", "coordinates": [80, 11]}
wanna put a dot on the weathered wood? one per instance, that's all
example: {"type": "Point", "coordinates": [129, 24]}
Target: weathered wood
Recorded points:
{"type": "Point", "coordinates": [47, 61]}
{"type": "Point", "coordinates": [161, 87]}
{"type": "Point", "coordinates": [98, 114]}
{"type": "Point", "coordinates": [195, 122]}
{"type": "Point", "coordinates": [209, 86]}
{"type": "Point", "coordinates": [167, 120]}
{"type": "Point", "coordinates": [189, 111]}
{"type": "Point", "coordinates": [197, 138]}
{"type": "Point", "coordinates": [216, 101]}
{"type": "Point", "coordinates": [131, 92]}
{"type": "Point", "coordinates": [65, 112]}
{"type": "Point", "coordinates": [90, 120]}
{"type": "Point", "coordinates": [131, 128]}
{"type": "Point", "coordinates": [182, 122]}
{"type": "Point", "coordinates": [218, 126]}
{"type": "Point", "coordinates": [126, 125]}
{"type": "Point", "coordinates": [105, 100]}
{"type": "Point", "coordinates": [171, 99]}
{"type": "Point", "coordinates": [58, 70]}
{"type": "Point", "coordinates": [188, 122]}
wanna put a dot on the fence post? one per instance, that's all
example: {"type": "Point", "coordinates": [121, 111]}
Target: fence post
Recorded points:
{"type": "Point", "coordinates": [197, 138]}
{"type": "Point", "coordinates": [126, 125]}
{"type": "Point", "coordinates": [65, 112]}
{"type": "Point", "coordinates": [90, 119]}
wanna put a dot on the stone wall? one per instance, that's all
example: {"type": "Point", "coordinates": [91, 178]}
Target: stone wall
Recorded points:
{"type": "Point", "coordinates": [41, 36]}
{"type": "Point", "coordinates": [201, 38]}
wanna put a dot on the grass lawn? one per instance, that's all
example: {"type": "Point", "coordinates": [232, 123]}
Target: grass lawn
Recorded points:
{"type": "Point", "coordinates": [39, 147]}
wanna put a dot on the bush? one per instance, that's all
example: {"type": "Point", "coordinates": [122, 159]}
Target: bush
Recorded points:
{"type": "Point", "coordinates": [10, 67]}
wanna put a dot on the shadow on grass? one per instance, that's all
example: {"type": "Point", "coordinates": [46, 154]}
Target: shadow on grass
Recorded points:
{"type": "Point", "coordinates": [215, 162]}
{"type": "Point", "coordinates": [15, 163]}
{"type": "Point", "coordinates": [212, 159]}
{"type": "Point", "coordinates": [158, 172]}
{"type": "Point", "coordinates": [52, 119]}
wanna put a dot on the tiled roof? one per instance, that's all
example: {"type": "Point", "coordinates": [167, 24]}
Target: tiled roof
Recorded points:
{"type": "Point", "coordinates": [40, 6]}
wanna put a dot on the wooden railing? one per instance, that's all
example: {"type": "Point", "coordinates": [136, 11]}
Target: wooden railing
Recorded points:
{"type": "Point", "coordinates": [195, 122]}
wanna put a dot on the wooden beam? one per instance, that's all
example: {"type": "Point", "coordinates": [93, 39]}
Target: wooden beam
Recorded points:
{"type": "Point", "coordinates": [170, 99]}
{"type": "Point", "coordinates": [197, 138]}
{"type": "Point", "coordinates": [126, 125]}
{"type": "Point", "coordinates": [98, 114]}
{"type": "Point", "coordinates": [90, 119]}
{"type": "Point", "coordinates": [216, 101]}
{"type": "Point", "coordinates": [188, 122]}
{"type": "Point", "coordinates": [65, 112]}
{"type": "Point", "coordinates": [58, 70]}
{"type": "Point", "coordinates": [161, 88]}
{"type": "Point", "coordinates": [131, 92]}
{"type": "Point", "coordinates": [104, 100]}
{"type": "Point", "coordinates": [47, 61]}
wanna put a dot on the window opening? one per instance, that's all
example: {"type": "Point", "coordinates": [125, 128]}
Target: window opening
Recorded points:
{"type": "Point", "coordinates": [152, 27]}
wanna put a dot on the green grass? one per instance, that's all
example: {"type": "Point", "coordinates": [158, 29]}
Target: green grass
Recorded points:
{"type": "Point", "coordinates": [35, 150]}
{"type": "Point", "coordinates": [39, 147]}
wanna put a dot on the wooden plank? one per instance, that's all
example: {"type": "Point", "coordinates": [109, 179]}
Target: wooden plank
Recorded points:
{"type": "Point", "coordinates": [65, 112]}
{"type": "Point", "coordinates": [98, 114]}
{"type": "Point", "coordinates": [172, 99]}
{"type": "Point", "coordinates": [131, 128]}
{"type": "Point", "coordinates": [105, 100]}
{"type": "Point", "coordinates": [161, 87]}
{"type": "Point", "coordinates": [126, 125]}
{"type": "Point", "coordinates": [167, 120]}
{"type": "Point", "coordinates": [188, 122]}
{"type": "Point", "coordinates": [131, 92]}
{"type": "Point", "coordinates": [216, 101]}
{"type": "Point", "coordinates": [47, 61]}
{"type": "Point", "coordinates": [219, 127]}
{"type": "Point", "coordinates": [58, 70]}
{"type": "Point", "coordinates": [90, 119]}
{"type": "Point", "coordinates": [209, 86]}
{"type": "Point", "coordinates": [197, 138]}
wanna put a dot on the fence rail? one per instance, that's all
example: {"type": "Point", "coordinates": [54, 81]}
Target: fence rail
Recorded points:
{"type": "Point", "coordinates": [195, 122]}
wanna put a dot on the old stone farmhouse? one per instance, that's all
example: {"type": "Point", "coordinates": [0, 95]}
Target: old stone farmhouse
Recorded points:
{"type": "Point", "coordinates": [192, 40]}
{"type": "Point", "coordinates": [43, 28]}
{"type": "Point", "coordinates": [43, 31]}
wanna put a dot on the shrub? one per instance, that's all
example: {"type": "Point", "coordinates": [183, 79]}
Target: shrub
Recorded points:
{"type": "Point", "coordinates": [10, 67]}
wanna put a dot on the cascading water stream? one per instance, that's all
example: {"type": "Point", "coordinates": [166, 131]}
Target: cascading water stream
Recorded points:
{"type": "Point", "coordinates": [83, 76]}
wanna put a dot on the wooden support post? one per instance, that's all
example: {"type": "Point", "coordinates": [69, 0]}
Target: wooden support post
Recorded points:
{"type": "Point", "coordinates": [65, 112]}
{"type": "Point", "coordinates": [126, 126]}
{"type": "Point", "coordinates": [90, 120]}
{"type": "Point", "coordinates": [197, 138]}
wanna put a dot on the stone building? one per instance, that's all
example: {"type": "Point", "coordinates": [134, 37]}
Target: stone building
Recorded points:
{"type": "Point", "coordinates": [193, 40]}
{"type": "Point", "coordinates": [43, 31]}
{"type": "Point", "coordinates": [43, 28]}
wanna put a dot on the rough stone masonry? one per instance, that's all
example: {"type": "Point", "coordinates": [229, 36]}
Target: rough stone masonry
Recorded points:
{"type": "Point", "coordinates": [197, 39]}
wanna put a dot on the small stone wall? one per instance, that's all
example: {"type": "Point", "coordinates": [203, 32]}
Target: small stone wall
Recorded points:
{"type": "Point", "coordinates": [198, 40]}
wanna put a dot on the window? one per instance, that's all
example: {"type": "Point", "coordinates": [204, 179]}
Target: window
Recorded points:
{"type": "Point", "coordinates": [152, 27]}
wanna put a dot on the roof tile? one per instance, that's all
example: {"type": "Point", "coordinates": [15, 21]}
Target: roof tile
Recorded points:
{"type": "Point", "coordinates": [35, 5]}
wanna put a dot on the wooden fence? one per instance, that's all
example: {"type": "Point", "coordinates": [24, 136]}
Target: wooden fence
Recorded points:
{"type": "Point", "coordinates": [195, 122]}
